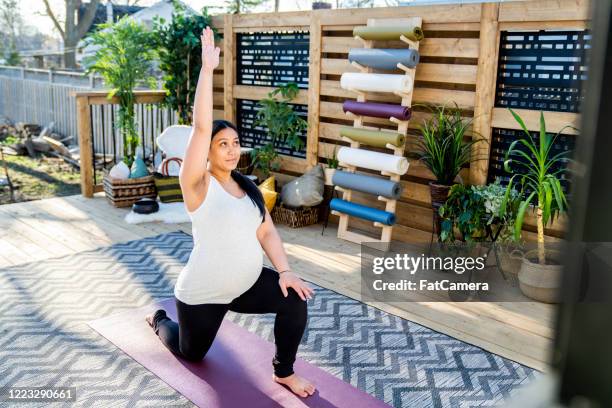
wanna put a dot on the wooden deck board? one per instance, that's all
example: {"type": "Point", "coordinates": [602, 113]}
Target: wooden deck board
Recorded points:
{"type": "Point", "coordinates": [63, 225]}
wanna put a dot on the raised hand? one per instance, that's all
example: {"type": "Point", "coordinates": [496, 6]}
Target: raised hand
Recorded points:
{"type": "Point", "coordinates": [210, 53]}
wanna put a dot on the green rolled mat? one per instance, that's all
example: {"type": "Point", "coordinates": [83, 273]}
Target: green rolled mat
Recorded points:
{"type": "Point", "coordinates": [372, 137]}
{"type": "Point", "coordinates": [388, 32]}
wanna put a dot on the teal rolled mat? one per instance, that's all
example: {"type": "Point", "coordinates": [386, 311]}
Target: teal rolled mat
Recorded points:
{"type": "Point", "coordinates": [384, 58]}
{"type": "Point", "coordinates": [367, 184]}
{"type": "Point", "coordinates": [372, 137]}
{"type": "Point", "coordinates": [362, 211]}
{"type": "Point", "coordinates": [388, 32]}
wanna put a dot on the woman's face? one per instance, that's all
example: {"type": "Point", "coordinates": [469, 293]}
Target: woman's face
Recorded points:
{"type": "Point", "coordinates": [225, 150]}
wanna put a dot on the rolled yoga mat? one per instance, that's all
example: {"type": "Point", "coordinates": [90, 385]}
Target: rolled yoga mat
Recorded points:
{"type": "Point", "coordinates": [236, 371]}
{"type": "Point", "coordinates": [372, 137]}
{"type": "Point", "coordinates": [367, 184]}
{"type": "Point", "coordinates": [362, 211]}
{"type": "Point", "coordinates": [373, 160]}
{"type": "Point", "coordinates": [376, 82]}
{"type": "Point", "coordinates": [377, 110]}
{"type": "Point", "coordinates": [388, 32]}
{"type": "Point", "coordinates": [384, 58]}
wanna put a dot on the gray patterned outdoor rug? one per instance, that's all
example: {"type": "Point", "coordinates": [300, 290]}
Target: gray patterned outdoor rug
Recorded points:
{"type": "Point", "coordinates": [45, 339]}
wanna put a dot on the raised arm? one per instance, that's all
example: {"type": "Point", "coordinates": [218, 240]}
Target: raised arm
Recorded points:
{"type": "Point", "coordinates": [194, 164]}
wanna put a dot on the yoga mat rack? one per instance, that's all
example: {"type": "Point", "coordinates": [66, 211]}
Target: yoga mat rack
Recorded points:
{"type": "Point", "coordinates": [402, 127]}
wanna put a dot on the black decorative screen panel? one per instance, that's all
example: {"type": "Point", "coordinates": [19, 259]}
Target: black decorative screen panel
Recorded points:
{"type": "Point", "coordinates": [272, 59]}
{"type": "Point", "coordinates": [541, 70]}
{"type": "Point", "coordinates": [255, 136]}
{"type": "Point", "coordinates": [500, 142]}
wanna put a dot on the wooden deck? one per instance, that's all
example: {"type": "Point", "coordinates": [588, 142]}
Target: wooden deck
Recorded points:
{"type": "Point", "coordinates": [38, 230]}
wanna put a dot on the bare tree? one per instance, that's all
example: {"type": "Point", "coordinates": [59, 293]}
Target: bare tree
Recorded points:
{"type": "Point", "coordinates": [241, 6]}
{"type": "Point", "coordinates": [11, 21]}
{"type": "Point", "coordinates": [72, 29]}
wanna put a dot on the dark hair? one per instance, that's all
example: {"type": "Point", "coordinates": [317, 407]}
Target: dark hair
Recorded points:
{"type": "Point", "coordinates": [244, 182]}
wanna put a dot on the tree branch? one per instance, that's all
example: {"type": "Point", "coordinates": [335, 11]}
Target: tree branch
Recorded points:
{"type": "Point", "coordinates": [85, 23]}
{"type": "Point", "coordinates": [55, 22]}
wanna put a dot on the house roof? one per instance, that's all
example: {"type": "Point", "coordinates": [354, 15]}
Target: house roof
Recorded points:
{"type": "Point", "coordinates": [119, 11]}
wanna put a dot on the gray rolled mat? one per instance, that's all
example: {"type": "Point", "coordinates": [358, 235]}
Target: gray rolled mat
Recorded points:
{"type": "Point", "coordinates": [367, 184]}
{"type": "Point", "coordinates": [384, 58]}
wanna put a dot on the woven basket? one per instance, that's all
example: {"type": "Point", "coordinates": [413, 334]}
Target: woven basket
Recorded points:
{"type": "Point", "coordinates": [295, 218]}
{"type": "Point", "coordinates": [125, 192]}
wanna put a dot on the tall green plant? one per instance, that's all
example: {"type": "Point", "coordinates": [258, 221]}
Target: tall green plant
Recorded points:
{"type": "Point", "coordinates": [537, 175]}
{"type": "Point", "coordinates": [123, 57]}
{"type": "Point", "coordinates": [283, 125]}
{"type": "Point", "coordinates": [441, 146]}
{"type": "Point", "coordinates": [180, 55]}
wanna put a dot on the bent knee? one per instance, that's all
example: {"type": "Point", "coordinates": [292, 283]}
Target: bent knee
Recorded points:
{"type": "Point", "coordinates": [192, 354]}
{"type": "Point", "coordinates": [294, 303]}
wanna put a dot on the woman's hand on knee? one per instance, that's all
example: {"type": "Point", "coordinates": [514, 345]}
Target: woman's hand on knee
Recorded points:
{"type": "Point", "coordinates": [290, 280]}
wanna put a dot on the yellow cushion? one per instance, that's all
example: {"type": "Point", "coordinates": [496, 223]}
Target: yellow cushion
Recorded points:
{"type": "Point", "coordinates": [269, 195]}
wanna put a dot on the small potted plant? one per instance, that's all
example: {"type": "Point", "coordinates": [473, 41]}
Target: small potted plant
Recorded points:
{"type": "Point", "coordinates": [443, 151]}
{"type": "Point", "coordinates": [540, 273]}
{"type": "Point", "coordinates": [283, 125]}
{"type": "Point", "coordinates": [332, 166]}
{"type": "Point", "coordinates": [463, 215]}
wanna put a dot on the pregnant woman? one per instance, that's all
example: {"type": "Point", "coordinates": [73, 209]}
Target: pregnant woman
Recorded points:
{"type": "Point", "coordinates": [231, 226]}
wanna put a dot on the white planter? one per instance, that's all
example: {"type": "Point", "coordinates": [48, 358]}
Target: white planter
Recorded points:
{"type": "Point", "coordinates": [329, 173]}
{"type": "Point", "coordinates": [541, 282]}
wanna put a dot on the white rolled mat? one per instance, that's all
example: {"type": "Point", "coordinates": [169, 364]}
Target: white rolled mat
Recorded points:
{"type": "Point", "coordinates": [376, 82]}
{"type": "Point", "coordinates": [373, 160]}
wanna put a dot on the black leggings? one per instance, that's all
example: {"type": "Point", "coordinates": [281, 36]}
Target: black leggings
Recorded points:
{"type": "Point", "coordinates": [197, 325]}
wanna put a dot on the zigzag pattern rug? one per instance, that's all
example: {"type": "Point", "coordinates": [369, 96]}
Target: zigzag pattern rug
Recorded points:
{"type": "Point", "coordinates": [45, 341]}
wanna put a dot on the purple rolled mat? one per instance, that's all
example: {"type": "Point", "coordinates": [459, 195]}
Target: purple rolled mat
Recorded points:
{"type": "Point", "coordinates": [378, 110]}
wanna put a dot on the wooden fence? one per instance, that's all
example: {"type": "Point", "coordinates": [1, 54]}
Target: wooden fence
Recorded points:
{"type": "Point", "coordinates": [42, 96]}
{"type": "Point", "coordinates": [459, 61]}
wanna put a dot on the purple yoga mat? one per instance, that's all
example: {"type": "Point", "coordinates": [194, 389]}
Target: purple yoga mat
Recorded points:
{"type": "Point", "coordinates": [378, 110]}
{"type": "Point", "coordinates": [236, 371]}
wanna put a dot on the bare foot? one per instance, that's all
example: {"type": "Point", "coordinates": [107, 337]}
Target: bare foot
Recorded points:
{"type": "Point", "coordinates": [149, 319]}
{"type": "Point", "coordinates": [298, 385]}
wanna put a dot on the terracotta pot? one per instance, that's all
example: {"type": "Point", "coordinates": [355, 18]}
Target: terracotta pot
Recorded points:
{"type": "Point", "coordinates": [439, 194]}
{"type": "Point", "coordinates": [541, 282]}
{"type": "Point", "coordinates": [329, 173]}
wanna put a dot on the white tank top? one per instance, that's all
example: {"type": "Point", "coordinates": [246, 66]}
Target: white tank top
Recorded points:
{"type": "Point", "coordinates": [227, 257]}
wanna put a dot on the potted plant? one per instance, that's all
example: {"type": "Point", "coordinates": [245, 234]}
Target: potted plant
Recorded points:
{"type": "Point", "coordinates": [443, 151]}
{"type": "Point", "coordinates": [123, 56]}
{"type": "Point", "coordinates": [463, 215]}
{"type": "Point", "coordinates": [180, 54]}
{"type": "Point", "coordinates": [540, 273]}
{"type": "Point", "coordinates": [283, 125]}
{"type": "Point", "coordinates": [332, 166]}
{"type": "Point", "coordinates": [472, 214]}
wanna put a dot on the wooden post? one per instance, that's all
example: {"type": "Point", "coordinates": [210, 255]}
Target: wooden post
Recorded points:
{"type": "Point", "coordinates": [314, 84]}
{"type": "Point", "coordinates": [485, 91]}
{"type": "Point", "coordinates": [85, 153]}
{"type": "Point", "coordinates": [228, 69]}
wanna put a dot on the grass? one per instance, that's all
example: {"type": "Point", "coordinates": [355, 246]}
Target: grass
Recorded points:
{"type": "Point", "coordinates": [39, 178]}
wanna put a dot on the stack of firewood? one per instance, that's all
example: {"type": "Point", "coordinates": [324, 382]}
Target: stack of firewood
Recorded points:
{"type": "Point", "coordinates": [31, 139]}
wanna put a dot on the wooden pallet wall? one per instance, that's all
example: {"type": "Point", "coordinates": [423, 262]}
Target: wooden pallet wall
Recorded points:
{"type": "Point", "coordinates": [458, 65]}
